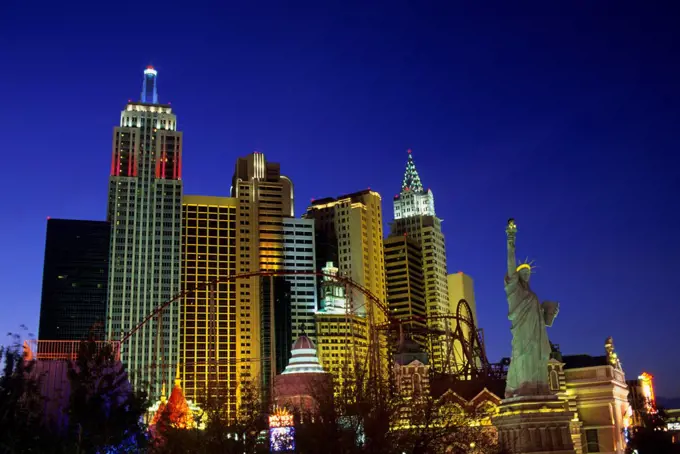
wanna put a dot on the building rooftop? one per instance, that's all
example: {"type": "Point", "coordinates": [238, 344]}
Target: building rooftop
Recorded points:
{"type": "Point", "coordinates": [304, 359]}
{"type": "Point", "coordinates": [578, 361]}
{"type": "Point", "coordinates": [353, 195]}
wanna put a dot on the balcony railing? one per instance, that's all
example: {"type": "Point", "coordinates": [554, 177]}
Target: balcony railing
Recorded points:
{"type": "Point", "coordinates": [62, 349]}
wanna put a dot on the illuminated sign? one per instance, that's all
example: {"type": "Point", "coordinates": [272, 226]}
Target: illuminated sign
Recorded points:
{"type": "Point", "coordinates": [647, 388]}
{"type": "Point", "coordinates": [281, 418]}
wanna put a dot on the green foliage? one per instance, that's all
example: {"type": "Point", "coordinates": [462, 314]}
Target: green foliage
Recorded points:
{"type": "Point", "coordinates": [103, 414]}
{"type": "Point", "coordinates": [104, 411]}
{"type": "Point", "coordinates": [104, 417]}
{"type": "Point", "coordinates": [22, 429]}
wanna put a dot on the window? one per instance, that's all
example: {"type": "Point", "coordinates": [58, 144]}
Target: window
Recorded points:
{"type": "Point", "coordinates": [554, 381]}
{"type": "Point", "coordinates": [592, 442]}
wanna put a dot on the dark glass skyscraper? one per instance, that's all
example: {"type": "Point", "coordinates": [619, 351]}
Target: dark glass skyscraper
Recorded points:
{"type": "Point", "coordinates": [145, 211]}
{"type": "Point", "coordinates": [74, 279]}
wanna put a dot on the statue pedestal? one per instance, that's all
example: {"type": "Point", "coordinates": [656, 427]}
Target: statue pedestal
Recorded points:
{"type": "Point", "coordinates": [534, 425]}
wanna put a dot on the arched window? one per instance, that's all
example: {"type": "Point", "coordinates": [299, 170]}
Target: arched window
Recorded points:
{"type": "Point", "coordinates": [554, 381]}
{"type": "Point", "coordinates": [417, 385]}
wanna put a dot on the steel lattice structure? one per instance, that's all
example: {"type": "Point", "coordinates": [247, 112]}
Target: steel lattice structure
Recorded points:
{"type": "Point", "coordinates": [467, 360]}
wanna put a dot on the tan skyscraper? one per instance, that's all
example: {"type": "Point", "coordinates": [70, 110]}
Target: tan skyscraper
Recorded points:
{"type": "Point", "coordinates": [208, 328]}
{"type": "Point", "coordinates": [349, 234]}
{"type": "Point", "coordinates": [406, 284]}
{"type": "Point", "coordinates": [461, 288]}
{"type": "Point", "coordinates": [415, 217]}
{"type": "Point", "coordinates": [265, 197]}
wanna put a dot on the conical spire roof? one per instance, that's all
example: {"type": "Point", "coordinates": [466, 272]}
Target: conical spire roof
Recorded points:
{"type": "Point", "coordinates": [303, 358]}
{"type": "Point", "coordinates": [411, 180]}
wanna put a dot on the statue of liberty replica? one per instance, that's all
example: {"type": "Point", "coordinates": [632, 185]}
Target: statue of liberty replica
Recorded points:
{"type": "Point", "coordinates": [528, 373]}
{"type": "Point", "coordinates": [531, 419]}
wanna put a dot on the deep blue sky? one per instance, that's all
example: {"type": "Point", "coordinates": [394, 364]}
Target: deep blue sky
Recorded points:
{"type": "Point", "coordinates": [561, 114]}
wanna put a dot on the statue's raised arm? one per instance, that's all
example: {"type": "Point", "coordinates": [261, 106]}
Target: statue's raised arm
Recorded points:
{"type": "Point", "coordinates": [511, 232]}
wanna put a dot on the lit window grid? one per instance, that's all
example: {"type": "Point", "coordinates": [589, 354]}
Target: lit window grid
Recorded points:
{"type": "Point", "coordinates": [200, 371]}
{"type": "Point", "coordinates": [137, 251]}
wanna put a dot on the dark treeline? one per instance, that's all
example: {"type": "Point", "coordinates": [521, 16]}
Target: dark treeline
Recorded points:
{"type": "Point", "coordinates": [103, 414]}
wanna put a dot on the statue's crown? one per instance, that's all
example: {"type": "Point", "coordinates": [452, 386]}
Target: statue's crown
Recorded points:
{"type": "Point", "coordinates": [526, 265]}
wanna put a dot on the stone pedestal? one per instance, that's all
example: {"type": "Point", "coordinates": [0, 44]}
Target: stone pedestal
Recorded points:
{"type": "Point", "coordinates": [534, 425]}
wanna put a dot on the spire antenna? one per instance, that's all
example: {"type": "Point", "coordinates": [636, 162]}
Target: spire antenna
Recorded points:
{"type": "Point", "coordinates": [149, 89]}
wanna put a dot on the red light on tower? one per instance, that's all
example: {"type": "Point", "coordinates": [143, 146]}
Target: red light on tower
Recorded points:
{"type": "Point", "coordinates": [312, 199]}
{"type": "Point", "coordinates": [408, 151]}
{"type": "Point", "coordinates": [49, 217]}
{"type": "Point", "coordinates": [149, 67]}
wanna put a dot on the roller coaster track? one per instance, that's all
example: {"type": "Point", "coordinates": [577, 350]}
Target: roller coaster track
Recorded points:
{"type": "Point", "coordinates": [473, 358]}
{"type": "Point", "coordinates": [207, 284]}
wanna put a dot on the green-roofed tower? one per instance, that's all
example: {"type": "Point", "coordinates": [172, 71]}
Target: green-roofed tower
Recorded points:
{"type": "Point", "coordinates": [414, 217]}
{"type": "Point", "coordinates": [411, 180]}
{"type": "Point", "coordinates": [413, 200]}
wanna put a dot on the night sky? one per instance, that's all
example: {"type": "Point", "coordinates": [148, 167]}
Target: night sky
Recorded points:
{"type": "Point", "coordinates": [563, 115]}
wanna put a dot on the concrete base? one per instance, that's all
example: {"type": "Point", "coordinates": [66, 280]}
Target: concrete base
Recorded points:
{"type": "Point", "coordinates": [534, 425]}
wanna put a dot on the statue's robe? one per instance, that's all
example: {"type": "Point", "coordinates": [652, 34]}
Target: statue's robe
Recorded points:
{"type": "Point", "coordinates": [528, 372]}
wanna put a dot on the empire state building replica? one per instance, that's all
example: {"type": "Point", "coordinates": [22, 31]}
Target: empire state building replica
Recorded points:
{"type": "Point", "coordinates": [144, 209]}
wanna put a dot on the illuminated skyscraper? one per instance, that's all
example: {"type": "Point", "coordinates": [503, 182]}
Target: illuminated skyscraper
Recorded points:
{"type": "Point", "coordinates": [299, 255]}
{"type": "Point", "coordinates": [265, 198]}
{"type": "Point", "coordinates": [349, 233]}
{"type": "Point", "coordinates": [461, 288]}
{"type": "Point", "coordinates": [145, 212]}
{"type": "Point", "coordinates": [209, 331]}
{"type": "Point", "coordinates": [414, 215]}
{"type": "Point", "coordinates": [413, 200]}
{"type": "Point", "coordinates": [342, 335]}
{"type": "Point", "coordinates": [405, 284]}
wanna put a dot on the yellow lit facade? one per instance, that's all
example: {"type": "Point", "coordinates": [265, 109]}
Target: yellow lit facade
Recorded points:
{"type": "Point", "coordinates": [350, 233]}
{"type": "Point", "coordinates": [405, 283]}
{"type": "Point", "coordinates": [596, 392]}
{"type": "Point", "coordinates": [209, 333]}
{"type": "Point", "coordinates": [352, 228]}
{"type": "Point", "coordinates": [264, 198]}
{"type": "Point", "coordinates": [427, 231]}
{"type": "Point", "coordinates": [460, 286]}
{"type": "Point", "coordinates": [342, 344]}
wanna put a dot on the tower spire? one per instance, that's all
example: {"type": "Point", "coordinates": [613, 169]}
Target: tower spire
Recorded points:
{"type": "Point", "coordinates": [411, 180]}
{"type": "Point", "coordinates": [149, 91]}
